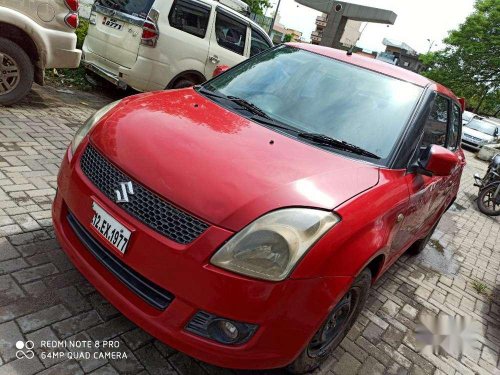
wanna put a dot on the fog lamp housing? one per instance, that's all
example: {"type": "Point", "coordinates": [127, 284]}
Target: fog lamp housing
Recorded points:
{"type": "Point", "coordinates": [221, 330]}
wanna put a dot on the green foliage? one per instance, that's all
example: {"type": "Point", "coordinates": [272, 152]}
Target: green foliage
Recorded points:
{"type": "Point", "coordinates": [287, 38]}
{"type": "Point", "coordinates": [470, 62]}
{"type": "Point", "coordinates": [81, 32]}
{"type": "Point", "coordinates": [258, 6]}
{"type": "Point", "coordinates": [479, 287]}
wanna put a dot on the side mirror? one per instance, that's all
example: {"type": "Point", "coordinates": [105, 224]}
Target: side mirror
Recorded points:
{"type": "Point", "coordinates": [220, 69]}
{"type": "Point", "coordinates": [436, 161]}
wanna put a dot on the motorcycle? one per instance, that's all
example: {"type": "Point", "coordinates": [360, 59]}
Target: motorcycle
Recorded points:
{"type": "Point", "coordinates": [488, 200]}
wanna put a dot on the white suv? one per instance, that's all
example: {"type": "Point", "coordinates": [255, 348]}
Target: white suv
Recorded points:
{"type": "Point", "coordinates": [155, 45]}
{"type": "Point", "coordinates": [35, 35]}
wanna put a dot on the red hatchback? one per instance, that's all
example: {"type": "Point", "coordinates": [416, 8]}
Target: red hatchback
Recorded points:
{"type": "Point", "coordinates": [243, 221]}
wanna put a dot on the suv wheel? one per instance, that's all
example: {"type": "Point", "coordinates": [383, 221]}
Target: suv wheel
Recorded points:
{"type": "Point", "coordinates": [335, 328]}
{"type": "Point", "coordinates": [16, 72]}
{"type": "Point", "coordinates": [182, 83]}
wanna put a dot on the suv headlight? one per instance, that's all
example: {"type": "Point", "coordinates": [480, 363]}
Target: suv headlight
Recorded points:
{"type": "Point", "coordinates": [271, 246]}
{"type": "Point", "coordinates": [89, 124]}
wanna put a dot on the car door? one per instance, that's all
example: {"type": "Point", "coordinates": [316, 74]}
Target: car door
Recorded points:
{"type": "Point", "coordinates": [428, 194]}
{"type": "Point", "coordinates": [115, 29]}
{"type": "Point", "coordinates": [228, 41]}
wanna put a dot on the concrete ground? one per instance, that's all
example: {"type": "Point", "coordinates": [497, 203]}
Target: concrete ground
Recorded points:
{"type": "Point", "coordinates": [42, 296]}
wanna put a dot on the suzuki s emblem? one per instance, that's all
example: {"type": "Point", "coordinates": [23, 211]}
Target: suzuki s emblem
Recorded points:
{"type": "Point", "coordinates": [126, 189]}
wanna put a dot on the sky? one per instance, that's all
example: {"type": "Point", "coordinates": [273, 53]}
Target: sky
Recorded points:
{"type": "Point", "coordinates": [417, 21]}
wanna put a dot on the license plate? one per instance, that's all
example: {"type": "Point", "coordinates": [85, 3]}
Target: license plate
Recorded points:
{"type": "Point", "coordinates": [116, 234]}
{"type": "Point", "coordinates": [111, 22]}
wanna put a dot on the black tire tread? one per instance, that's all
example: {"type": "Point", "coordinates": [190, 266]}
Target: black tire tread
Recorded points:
{"type": "Point", "coordinates": [305, 363]}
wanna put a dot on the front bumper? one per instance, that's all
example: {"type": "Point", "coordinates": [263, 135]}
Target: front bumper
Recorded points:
{"type": "Point", "coordinates": [287, 313]}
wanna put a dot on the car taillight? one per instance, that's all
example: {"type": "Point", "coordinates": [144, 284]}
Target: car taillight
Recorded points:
{"type": "Point", "coordinates": [72, 5]}
{"type": "Point", "coordinates": [72, 20]}
{"type": "Point", "coordinates": [150, 31]}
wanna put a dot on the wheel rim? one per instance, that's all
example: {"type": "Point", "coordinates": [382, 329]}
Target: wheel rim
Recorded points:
{"type": "Point", "coordinates": [490, 203]}
{"type": "Point", "coordinates": [9, 74]}
{"type": "Point", "coordinates": [334, 327]}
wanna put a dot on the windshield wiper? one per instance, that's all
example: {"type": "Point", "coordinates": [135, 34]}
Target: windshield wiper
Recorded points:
{"type": "Point", "coordinates": [249, 106]}
{"type": "Point", "coordinates": [337, 143]}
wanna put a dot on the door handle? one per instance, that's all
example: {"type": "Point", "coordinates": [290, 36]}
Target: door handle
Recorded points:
{"type": "Point", "coordinates": [214, 59]}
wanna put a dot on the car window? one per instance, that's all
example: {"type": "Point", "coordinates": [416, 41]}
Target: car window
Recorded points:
{"type": "Point", "coordinates": [259, 43]}
{"type": "Point", "coordinates": [454, 131]}
{"type": "Point", "coordinates": [189, 17]}
{"type": "Point", "coordinates": [436, 125]}
{"type": "Point", "coordinates": [230, 33]}
{"type": "Point", "coordinates": [131, 7]}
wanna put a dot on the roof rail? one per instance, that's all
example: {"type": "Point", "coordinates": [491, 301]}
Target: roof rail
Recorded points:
{"type": "Point", "coordinates": [238, 5]}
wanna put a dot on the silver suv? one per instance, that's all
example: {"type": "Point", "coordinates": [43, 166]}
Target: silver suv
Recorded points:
{"type": "Point", "coordinates": [35, 35]}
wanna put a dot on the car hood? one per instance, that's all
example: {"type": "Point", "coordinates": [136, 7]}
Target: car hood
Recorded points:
{"type": "Point", "coordinates": [477, 134]}
{"type": "Point", "coordinates": [220, 166]}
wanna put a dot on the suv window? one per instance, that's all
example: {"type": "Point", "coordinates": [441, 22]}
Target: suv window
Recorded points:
{"type": "Point", "coordinates": [131, 7]}
{"type": "Point", "coordinates": [454, 132]}
{"type": "Point", "coordinates": [259, 43]}
{"type": "Point", "coordinates": [190, 17]}
{"type": "Point", "coordinates": [436, 126]}
{"type": "Point", "coordinates": [230, 33]}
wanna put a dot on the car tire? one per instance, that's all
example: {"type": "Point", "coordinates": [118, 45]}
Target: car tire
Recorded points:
{"type": "Point", "coordinates": [420, 245]}
{"type": "Point", "coordinates": [313, 355]}
{"type": "Point", "coordinates": [14, 88]}
{"type": "Point", "coordinates": [183, 83]}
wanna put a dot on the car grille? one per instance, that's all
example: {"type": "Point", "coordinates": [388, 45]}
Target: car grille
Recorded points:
{"type": "Point", "coordinates": [146, 206]}
{"type": "Point", "coordinates": [148, 291]}
{"type": "Point", "coordinates": [471, 138]}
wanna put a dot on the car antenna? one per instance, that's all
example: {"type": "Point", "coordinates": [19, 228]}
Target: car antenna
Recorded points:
{"type": "Point", "coordinates": [350, 50]}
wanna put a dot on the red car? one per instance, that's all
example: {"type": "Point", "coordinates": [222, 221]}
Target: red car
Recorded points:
{"type": "Point", "coordinates": [244, 220]}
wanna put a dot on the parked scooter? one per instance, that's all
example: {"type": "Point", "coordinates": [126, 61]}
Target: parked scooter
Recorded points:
{"type": "Point", "coordinates": [488, 201]}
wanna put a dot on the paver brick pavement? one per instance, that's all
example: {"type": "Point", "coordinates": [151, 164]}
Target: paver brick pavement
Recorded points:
{"type": "Point", "coordinates": [42, 296]}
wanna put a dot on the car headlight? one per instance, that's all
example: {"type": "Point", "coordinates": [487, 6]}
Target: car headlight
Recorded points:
{"type": "Point", "coordinates": [90, 123]}
{"type": "Point", "coordinates": [270, 247]}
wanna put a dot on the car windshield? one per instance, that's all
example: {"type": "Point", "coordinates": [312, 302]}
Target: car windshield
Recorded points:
{"type": "Point", "coordinates": [467, 116]}
{"type": "Point", "coordinates": [137, 8]}
{"type": "Point", "coordinates": [482, 127]}
{"type": "Point", "coordinates": [317, 94]}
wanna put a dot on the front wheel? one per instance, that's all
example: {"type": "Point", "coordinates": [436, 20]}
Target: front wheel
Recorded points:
{"type": "Point", "coordinates": [487, 202]}
{"type": "Point", "coordinates": [16, 72]}
{"type": "Point", "coordinates": [335, 328]}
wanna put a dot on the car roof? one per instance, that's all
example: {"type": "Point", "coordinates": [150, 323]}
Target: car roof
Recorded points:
{"type": "Point", "coordinates": [376, 66]}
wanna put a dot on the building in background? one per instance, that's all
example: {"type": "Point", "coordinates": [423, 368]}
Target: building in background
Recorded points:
{"type": "Point", "coordinates": [279, 31]}
{"type": "Point", "coordinates": [339, 24]}
{"type": "Point", "coordinates": [400, 54]}
{"type": "Point", "coordinates": [349, 37]}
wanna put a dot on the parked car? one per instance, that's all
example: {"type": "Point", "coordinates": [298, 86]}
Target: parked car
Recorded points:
{"type": "Point", "coordinates": [468, 117]}
{"type": "Point", "coordinates": [35, 35]}
{"type": "Point", "coordinates": [244, 220]}
{"type": "Point", "coordinates": [478, 133]}
{"type": "Point", "coordinates": [154, 45]}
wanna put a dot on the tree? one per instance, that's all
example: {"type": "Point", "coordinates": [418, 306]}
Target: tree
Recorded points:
{"type": "Point", "coordinates": [258, 6]}
{"type": "Point", "coordinates": [287, 38]}
{"type": "Point", "coordinates": [470, 62]}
